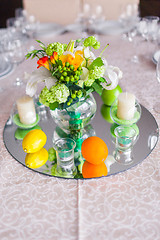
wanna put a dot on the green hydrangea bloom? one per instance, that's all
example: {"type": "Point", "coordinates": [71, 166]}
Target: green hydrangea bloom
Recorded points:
{"type": "Point", "coordinates": [64, 46]}
{"type": "Point", "coordinates": [55, 47]}
{"type": "Point", "coordinates": [89, 82]}
{"type": "Point", "coordinates": [90, 41]}
{"type": "Point", "coordinates": [97, 72]}
{"type": "Point", "coordinates": [60, 93]}
{"type": "Point", "coordinates": [43, 96]}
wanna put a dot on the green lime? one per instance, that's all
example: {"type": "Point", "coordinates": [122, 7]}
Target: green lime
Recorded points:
{"type": "Point", "coordinates": [105, 111]}
{"type": "Point", "coordinates": [109, 96]}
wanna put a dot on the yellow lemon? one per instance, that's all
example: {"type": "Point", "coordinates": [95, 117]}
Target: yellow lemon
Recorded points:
{"type": "Point", "coordinates": [34, 141]}
{"type": "Point", "coordinates": [37, 159]}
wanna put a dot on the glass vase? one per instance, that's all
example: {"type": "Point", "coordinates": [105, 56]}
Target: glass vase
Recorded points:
{"type": "Point", "coordinates": [76, 116]}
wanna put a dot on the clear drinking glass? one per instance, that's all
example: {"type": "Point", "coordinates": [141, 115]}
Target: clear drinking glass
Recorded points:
{"type": "Point", "coordinates": [125, 139]}
{"type": "Point", "coordinates": [157, 105]}
{"type": "Point", "coordinates": [65, 157]}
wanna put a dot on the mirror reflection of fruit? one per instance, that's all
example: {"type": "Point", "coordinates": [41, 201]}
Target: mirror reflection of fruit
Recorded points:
{"type": "Point", "coordinates": [80, 166]}
{"type": "Point", "coordinates": [90, 170]}
{"type": "Point", "coordinates": [105, 111]}
{"type": "Point", "coordinates": [52, 155]}
{"type": "Point", "coordinates": [94, 150]}
{"type": "Point", "coordinates": [36, 159]}
{"type": "Point", "coordinates": [109, 96]}
{"type": "Point", "coordinates": [34, 141]}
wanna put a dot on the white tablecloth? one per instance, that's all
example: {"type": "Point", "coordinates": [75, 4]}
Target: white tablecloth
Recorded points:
{"type": "Point", "coordinates": [124, 206]}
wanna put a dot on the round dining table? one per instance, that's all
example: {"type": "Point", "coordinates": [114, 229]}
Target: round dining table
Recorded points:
{"type": "Point", "coordinates": [123, 206]}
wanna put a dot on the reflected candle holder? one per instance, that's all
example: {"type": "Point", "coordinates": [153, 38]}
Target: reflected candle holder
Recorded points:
{"type": "Point", "coordinates": [126, 137]}
{"type": "Point", "coordinates": [23, 129]}
{"type": "Point", "coordinates": [65, 157]}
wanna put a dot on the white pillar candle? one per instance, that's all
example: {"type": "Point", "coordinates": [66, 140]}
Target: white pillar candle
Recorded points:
{"type": "Point", "coordinates": [126, 106]}
{"type": "Point", "coordinates": [26, 110]}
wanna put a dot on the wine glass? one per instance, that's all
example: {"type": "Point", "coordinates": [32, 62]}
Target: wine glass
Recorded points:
{"type": "Point", "coordinates": [148, 29]}
{"type": "Point", "coordinates": [15, 51]}
{"type": "Point", "coordinates": [157, 105]}
{"type": "Point", "coordinates": [152, 26]}
{"type": "Point", "coordinates": [132, 37]}
{"type": "Point", "coordinates": [90, 16]}
{"type": "Point", "coordinates": [129, 14]}
{"type": "Point", "coordinates": [6, 66]}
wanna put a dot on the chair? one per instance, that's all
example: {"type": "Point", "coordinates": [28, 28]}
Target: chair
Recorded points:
{"type": "Point", "coordinates": [66, 11]}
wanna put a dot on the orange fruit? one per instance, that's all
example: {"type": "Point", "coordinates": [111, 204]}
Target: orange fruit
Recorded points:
{"type": "Point", "coordinates": [94, 150]}
{"type": "Point", "coordinates": [90, 170]}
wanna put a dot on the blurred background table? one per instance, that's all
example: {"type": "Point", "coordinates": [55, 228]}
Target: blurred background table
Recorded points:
{"type": "Point", "coordinates": [124, 206]}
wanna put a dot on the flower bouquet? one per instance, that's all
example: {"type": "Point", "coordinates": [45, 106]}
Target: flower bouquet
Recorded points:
{"type": "Point", "coordinates": [70, 72]}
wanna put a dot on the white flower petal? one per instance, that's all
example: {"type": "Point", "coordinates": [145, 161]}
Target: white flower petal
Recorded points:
{"type": "Point", "coordinates": [87, 52]}
{"type": "Point", "coordinates": [79, 48]}
{"type": "Point", "coordinates": [37, 76]}
{"type": "Point", "coordinates": [80, 83]}
{"type": "Point", "coordinates": [68, 52]}
{"type": "Point", "coordinates": [31, 89]}
{"type": "Point", "coordinates": [92, 56]}
{"type": "Point", "coordinates": [85, 73]}
{"type": "Point", "coordinates": [50, 81]}
{"type": "Point", "coordinates": [105, 62]}
{"type": "Point", "coordinates": [113, 74]}
{"type": "Point", "coordinates": [43, 72]}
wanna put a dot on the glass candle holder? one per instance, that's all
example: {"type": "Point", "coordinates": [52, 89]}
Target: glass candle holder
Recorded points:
{"type": "Point", "coordinates": [124, 122]}
{"type": "Point", "coordinates": [65, 157]}
{"type": "Point", "coordinates": [125, 139]}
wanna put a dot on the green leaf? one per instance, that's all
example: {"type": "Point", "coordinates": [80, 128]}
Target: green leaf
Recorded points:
{"type": "Point", "coordinates": [54, 105]}
{"type": "Point", "coordinates": [88, 91]}
{"type": "Point", "coordinates": [34, 55]}
{"type": "Point", "coordinates": [28, 55]}
{"type": "Point", "coordinates": [59, 62]}
{"type": "Point", "coordinates": [97, 87]}
{"type": "Point", "coordinates": [96, 63]}
{"type": "Point", "coordinates": [101, 79]}
{"type": "Point", "coordinates": [43, 47]}
{"type": "Point", "coordinates": [34, 51]}
{"type": "Point", "coordinates": [40, 42]}
{"type": "Point", "coordinates": [73, 86]}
